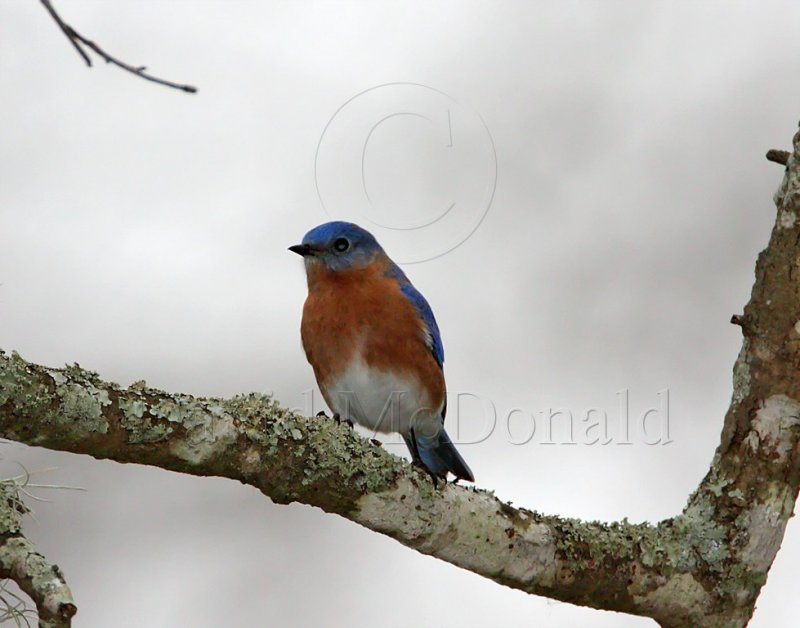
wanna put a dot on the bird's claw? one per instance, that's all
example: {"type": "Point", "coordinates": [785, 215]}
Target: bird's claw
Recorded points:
{"type": "Point", "coordinates": [417, 462]}
{"type": "Point", "coordinates": [339, 421]}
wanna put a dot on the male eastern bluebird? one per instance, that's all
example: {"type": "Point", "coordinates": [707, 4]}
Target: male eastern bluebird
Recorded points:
{"type": "Point", "coordinates": [374, 344]}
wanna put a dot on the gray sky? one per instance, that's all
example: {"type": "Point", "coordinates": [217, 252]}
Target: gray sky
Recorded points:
{"type": "Point", "coordinates": [145, 232]}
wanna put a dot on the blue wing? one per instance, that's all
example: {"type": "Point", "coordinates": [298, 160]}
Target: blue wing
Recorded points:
{"type": "Point", "coordinates": [432, 337]}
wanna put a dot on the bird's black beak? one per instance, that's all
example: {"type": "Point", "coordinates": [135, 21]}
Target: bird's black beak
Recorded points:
{"type": "Point", "coordinates": [301, 249]}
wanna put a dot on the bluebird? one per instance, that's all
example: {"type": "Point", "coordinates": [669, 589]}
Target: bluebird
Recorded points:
{"type": "Point", "coordinates": [374, 344]}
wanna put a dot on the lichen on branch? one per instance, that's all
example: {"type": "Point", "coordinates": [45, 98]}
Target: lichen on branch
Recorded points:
{"type": "Point", "coordinates": [704, 566]}
{"type": "Point", "coordinates": [19, 561]}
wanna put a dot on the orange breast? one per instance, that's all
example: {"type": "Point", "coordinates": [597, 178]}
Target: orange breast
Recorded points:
{"type": "Point", "coordinates": [361, 312]}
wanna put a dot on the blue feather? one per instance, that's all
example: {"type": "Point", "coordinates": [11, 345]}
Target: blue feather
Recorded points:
{"type": "Point", "coordinates": [432, 337]}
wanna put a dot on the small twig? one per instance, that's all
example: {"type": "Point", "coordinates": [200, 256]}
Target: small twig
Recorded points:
{"type": "Point", "coordinates": [778, 156]}
{"type": "Point", "coordinates": [76, 39]}
{"type": "Point", "coordinates": [744, 322]}
{"type": "Point", "coordinates": [67, 30]}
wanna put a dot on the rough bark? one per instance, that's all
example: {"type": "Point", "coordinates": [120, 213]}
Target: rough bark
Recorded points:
{"type": "Point", "coordinates": [705, 566]}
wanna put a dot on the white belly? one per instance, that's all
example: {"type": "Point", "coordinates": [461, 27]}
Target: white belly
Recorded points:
{"type": "Point", "coordinates": [379, 400]}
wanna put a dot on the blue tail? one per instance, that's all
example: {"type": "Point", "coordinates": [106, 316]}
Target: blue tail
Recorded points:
{"type": "Point", "coordinates": [438, 455]}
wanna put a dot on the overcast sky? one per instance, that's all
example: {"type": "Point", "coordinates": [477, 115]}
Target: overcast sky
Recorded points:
{"type": "Point", "coordinates": [586, 181]}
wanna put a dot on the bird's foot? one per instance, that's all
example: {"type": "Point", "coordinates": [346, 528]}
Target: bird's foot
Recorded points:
{"type": "Point", "coordinates": [323, 415]}
{"type": "Point", "coordinates": [339, 421]}
{"type": "Point", "coordinates": [417, 462]}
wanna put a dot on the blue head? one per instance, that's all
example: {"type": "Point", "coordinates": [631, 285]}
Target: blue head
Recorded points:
{"type": "Point", "coordinates": [338, 246]}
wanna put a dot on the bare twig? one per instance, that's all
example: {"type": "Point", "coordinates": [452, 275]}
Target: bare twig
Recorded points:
{"type": "Point", "coordinates": [67, 30]}
{"type": "Point", "coordinates": [77, 40]}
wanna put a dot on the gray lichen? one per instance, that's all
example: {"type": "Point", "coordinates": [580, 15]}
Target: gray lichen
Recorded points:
{"type": "Point", "coordinates": [141, 426]}
{"type": "Point", "coordinates": [763, 525]}
{"type": "Point", "coordinates": [19, 561]}
{"type": "Point", "coordinates": [778, 416]}
{"type": "Point", "coordinates": [210, 430]}
{"type": "Point", "coordinates": [82, 402]}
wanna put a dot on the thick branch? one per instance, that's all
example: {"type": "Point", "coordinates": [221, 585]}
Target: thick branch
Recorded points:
{"type": "Point", "coordinates": [317, 462]}
{"type": "Point", "coordinates": [19, 561]}
{"type": "Point", "coordinates": [77, 40]}
{"type": "Point", "coordinates": [705, 566]}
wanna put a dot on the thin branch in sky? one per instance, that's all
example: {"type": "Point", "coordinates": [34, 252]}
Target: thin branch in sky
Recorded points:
{"type": "Point", "coordinates": [78, 41]}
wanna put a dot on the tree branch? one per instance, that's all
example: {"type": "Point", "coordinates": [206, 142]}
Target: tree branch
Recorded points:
{"type": "Point", "coordinates": [76, 39]}
{"type": "Point", "coordinates": [19, 561]}
{"type": "Point", "coordinates": [705, 566]}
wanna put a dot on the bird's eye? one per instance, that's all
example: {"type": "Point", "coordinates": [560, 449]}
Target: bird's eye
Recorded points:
{"type": "Point", "coordinates": [340, 245]}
